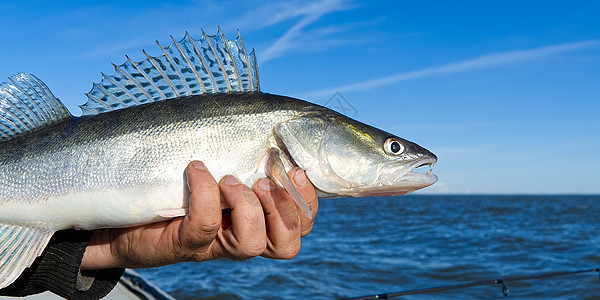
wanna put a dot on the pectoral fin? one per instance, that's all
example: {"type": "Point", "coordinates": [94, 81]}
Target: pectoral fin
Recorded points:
{"type": "Point", "coordinates": [276, 172]}
{"type": "Point", "coordinates": [19, 246]}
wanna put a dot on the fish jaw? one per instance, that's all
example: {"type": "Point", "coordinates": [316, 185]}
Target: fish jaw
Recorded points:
{"type": "Point", "coordinates": [401, 180]}
{"type": "Point", "coordinates": [395, 179]}
{"type": "Point", "coordinates": [396, 174]}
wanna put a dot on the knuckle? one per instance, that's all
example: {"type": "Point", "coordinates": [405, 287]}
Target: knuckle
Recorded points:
{"type": "Point", "coordinates": [312, 200]}
{"type": "Point", "coordinates": [289, 251]}
{"type": "Point", "coordinates": [195, 257]}
{"type": "Point", "coordinates": [306, 231]}
{"type": "Point", "coordinates": [203, 234]}
{"type": "Point", "coordinates": [203, 187]}
{"type": "Point", "coordinates": [196, 240]}
{"type": "Point", "coordinates": [252, 249]}
{"type": "Point", "coordinates": [209, 229]}
{"type": "Point", "coordinates": [201, 255]}
{"type": "Point", "coordinates": [191, 254]}
{"type": "Point", "coordinates": [253, 219]}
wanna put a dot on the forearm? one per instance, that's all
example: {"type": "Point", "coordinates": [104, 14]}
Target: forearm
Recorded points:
{"type": "Point", "coordinates": [58, 270]}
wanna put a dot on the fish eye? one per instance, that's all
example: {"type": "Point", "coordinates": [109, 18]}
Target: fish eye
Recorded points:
{"type": "Point", "coordinates": [393, 146]}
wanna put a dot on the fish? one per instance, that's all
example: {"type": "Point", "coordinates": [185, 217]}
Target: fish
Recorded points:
{"type": "Point", "coordinates": [122, 162]}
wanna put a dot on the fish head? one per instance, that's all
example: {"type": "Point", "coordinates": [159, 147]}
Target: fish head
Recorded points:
{"type": "Point", "coordinates": [343, 157]}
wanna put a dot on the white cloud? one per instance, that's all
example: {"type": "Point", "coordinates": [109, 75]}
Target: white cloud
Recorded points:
{"type": "Point", "coordinates": [481, 62]}
{"type": "Point", "coordinates": [277, 12]}
{"type": "Point", "coordinates": [293, 38]}
{"type": "Point", "coordinates": [299, 13]}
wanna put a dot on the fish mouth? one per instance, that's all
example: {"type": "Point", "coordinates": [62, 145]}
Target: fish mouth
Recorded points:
{"type": "Point", "coordinates": [410, 173]}
{"type": "Point", "coordinates": [422, 179]}
{"type": "Point", "coordinates": [398, 178]}
{"type": "Point", "coordinates": [427, 162]}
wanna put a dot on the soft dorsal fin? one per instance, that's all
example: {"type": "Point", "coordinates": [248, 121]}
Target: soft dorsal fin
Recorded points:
{"type": "Point", "coordinates": [210, 64]}
{"type": "Point", "coordinates": [26, 103]}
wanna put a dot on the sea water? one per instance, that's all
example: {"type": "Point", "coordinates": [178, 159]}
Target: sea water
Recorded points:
{"type": "Point", "coordinates": [367, 246]}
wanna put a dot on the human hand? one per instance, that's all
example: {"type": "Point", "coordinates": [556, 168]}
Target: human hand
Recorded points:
{"type": "Point", "coordinates": [263, 221]}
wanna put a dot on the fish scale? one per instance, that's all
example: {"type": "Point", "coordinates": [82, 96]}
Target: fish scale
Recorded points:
{"type": "Point", "coordinates": [122, 163]}
{"type": "Point", "coordinates": [147, 148]}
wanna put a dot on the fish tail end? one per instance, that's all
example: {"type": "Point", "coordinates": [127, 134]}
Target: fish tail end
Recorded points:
{"type": "Point", "coordinates": [19, 247]}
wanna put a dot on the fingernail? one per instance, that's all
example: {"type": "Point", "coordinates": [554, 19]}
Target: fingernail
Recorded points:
{"type": "Point", "coordinates": [199, 165]}
{"type": "Point", "coordinates": [230, 180]}
{"type": "Point", "coordinates": [266, 184]}
{"type": "Point", "coordinates": [300, 178]}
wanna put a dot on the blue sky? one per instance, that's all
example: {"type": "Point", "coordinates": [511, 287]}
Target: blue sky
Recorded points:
{"type": "Point", "coordinates": [506, 93]}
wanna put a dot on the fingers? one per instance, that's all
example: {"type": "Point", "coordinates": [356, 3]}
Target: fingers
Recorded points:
{"type": "Point", "coordinates": [207, 232]}
{"type": "Point", "coordinates": [265, 221]}
{"type": "Point", "coordinates": [283, 221]}
{"type": "Point", "coordinates": [246, 237]}
{"type": "Point", "coordinates": [286, 224]}
{"type": "Point", "coordinates": [307, 190]}
{"type": "Point", "coordinates": [202, 223]}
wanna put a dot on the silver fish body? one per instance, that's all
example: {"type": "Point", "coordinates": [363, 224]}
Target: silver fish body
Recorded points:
{"type": "Point", "coordinates": [125, 167]}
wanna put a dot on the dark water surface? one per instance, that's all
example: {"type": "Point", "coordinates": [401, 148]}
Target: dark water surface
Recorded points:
{"type": "Point", "coordinates": [376, 245]}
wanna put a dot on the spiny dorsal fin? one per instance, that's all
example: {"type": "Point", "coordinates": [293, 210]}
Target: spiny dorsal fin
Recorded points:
{"type": "Point", "coordinates": [210, 64]}
{"type": "Point", "coordinates": [26, 103]}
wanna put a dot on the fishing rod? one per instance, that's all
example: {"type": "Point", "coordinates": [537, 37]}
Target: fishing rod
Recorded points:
{"type": "Point", "coordinates": [474, 283]}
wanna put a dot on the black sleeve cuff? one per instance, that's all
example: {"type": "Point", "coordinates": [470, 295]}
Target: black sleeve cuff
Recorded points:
{"type": "Point", "coordinates": [57, 270]}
